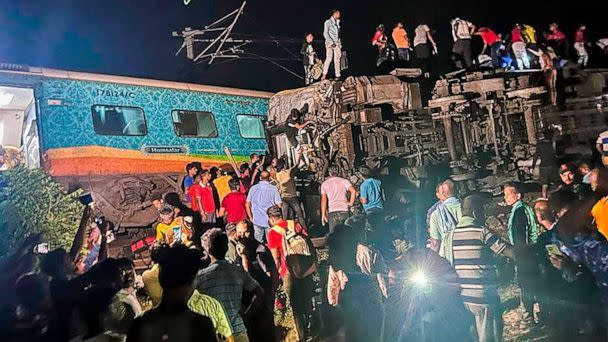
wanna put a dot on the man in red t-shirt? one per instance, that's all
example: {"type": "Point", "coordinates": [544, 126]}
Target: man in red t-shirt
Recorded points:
{"type": "Point", "coordinates": [233, 205]}
{"type": "Point", "coordinates": [557, 40]}
{"type": "Point", "coordinates": [490, 39]}
{"type": "Point", "coordinates": [299, 290]}
{"type": "Point", "coordinates": [195, 192]}
{"type": "Point", "coordinates": [201, 197]}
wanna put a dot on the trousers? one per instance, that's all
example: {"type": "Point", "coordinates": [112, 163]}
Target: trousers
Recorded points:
{"type": "Point", "coordinates": [292, 209]}
{"type": "Point", "coordinates": [336, 218]}
{"type": "Point", "coordinates": [521, 55]}
{"type": "Point", "coordinates": [495, 53]}
{"type": "Point", "coordinates": [300, 293]}
{"type": "Point", "coordinates": [259, 232]}
{"type": "Point", "coordinates": [404, 54]}
{"type": "Point", "coordinates": [488, 321]}
{"type": "Point", "coordinates": [332, 54]}
{"type": "Point", "coordinates": [308, 75]}
{"type": "Point", "coordinates": [581, 51]}
{"type": "Point", "coordinates": [462, 52]}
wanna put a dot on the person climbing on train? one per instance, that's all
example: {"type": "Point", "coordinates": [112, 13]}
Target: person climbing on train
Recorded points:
{"type": "Point", "coordinates": [490, 40]}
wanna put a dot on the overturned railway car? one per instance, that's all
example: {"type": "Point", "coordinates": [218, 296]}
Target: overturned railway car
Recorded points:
{"type": "Point", "coordinates": [123, 138]}
{"type": "Point", "coordinates": [477, 125]}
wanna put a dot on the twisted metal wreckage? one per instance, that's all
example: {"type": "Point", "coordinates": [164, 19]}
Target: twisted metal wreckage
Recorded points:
{"type": "Point", "coordinates": [479, 123]}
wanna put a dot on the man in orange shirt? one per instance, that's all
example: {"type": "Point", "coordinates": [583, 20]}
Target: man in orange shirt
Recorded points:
{"type": "Point", "coordinates": [401, 41]}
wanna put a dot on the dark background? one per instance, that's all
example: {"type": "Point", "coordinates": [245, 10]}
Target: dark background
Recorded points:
{"type": "Point", "coordinates": [133, 38]}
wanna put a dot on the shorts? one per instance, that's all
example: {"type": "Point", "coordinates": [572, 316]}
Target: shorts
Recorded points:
{"type": "Point", "coordinates": [549, 175]}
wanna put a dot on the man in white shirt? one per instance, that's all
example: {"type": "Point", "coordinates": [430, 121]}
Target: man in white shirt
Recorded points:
{"type": "Point", "coordinates": [334, 196]}
{"type": "Point", "coordinates": [461, 32]}
{"type": "Point", "coordinates": [423, 40]}
{"type": "Point", "coordinates": [333, 44]}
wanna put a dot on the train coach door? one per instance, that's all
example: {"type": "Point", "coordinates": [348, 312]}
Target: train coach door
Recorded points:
{"type": "Point", "coordinates": [18, 127]}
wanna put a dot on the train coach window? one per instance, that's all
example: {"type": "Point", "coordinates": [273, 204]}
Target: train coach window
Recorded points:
{"type": "Point", "coordinates": [118, 120]}
{"type": "Point", "coordinates": [251, 126]}
{"type": "Point", "coordinates": [189, 123]}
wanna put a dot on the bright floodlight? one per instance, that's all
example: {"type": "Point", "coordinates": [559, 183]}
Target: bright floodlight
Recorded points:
{"type": "Point", "coordinates": [420, 279]}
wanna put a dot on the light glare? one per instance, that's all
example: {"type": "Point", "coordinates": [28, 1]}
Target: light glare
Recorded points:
{"type": "Point", "coordinates": [420, 279]}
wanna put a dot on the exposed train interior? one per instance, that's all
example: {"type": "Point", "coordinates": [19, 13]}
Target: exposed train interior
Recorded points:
{"type": "Point", "coordinates": [18, 129]}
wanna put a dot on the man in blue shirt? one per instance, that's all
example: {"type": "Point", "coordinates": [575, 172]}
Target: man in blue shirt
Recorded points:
{"type": "Point", "coordinates": [261, 197]}
{"type": "Point", "coordinates": [371, 192]}
{"type": "Point", "coordinates": [191, 171]}
{"type": "Point", "coordinates": [371, 196]}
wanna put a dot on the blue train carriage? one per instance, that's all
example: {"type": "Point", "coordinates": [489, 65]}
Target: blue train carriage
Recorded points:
{"type": "Point", "coordinates": [123, 138]}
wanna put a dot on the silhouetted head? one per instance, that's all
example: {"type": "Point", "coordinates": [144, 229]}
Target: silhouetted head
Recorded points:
{"type": "Point", "coordinates": [215, 242]}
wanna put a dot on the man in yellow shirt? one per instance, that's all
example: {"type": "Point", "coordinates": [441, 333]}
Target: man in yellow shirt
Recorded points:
{"type": "Point", "coordinates": [222, 187]}
{"type": "Point", "coordinates": [210, 307]}
{"type": "Point", "coordinates": [401, 41]}
{"type": "Point", "coordinates": [171, 229]}
{"type": "Point", "coordinates": [150, 277]}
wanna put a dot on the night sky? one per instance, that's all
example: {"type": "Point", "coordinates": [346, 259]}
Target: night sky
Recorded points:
{"type": "Point", "coordinates": [133, 38]}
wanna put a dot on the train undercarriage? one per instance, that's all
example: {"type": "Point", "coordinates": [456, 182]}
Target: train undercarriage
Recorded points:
{"type": "Point", "coordinates": [474, 125]}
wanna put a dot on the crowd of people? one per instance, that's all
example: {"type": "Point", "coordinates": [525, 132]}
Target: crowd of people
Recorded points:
{"type": "Point", "coordinates": [233, 248]}
{"type": "Point", "coordinates": [520, 49]}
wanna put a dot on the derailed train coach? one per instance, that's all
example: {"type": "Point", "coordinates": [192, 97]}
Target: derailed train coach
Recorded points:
{"type": "Point", "coordinates": [475, 126]}
{"type": "Point", "coordinates": [121, 139]}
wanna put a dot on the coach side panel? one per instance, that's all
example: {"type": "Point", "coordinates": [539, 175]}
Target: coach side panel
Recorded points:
{"type": "Point", "coordinates": [95, 128]}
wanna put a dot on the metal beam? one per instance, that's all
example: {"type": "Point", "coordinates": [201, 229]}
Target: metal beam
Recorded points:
{"type": "Point", "coordinates": [228, 31]}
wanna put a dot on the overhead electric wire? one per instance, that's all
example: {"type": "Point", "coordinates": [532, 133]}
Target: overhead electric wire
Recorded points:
{"type": "Point", "coordinates": [235, 42]}
{"type": "Point", "coordinates": [256, 56]}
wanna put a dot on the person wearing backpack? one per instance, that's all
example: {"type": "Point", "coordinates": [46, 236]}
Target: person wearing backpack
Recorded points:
{"type": "Point", "coordinates": [461, 51]}
{"type": "Point", "coordinates": [518, 45]}
{"type": "Point", "coordinates": [295, 258]}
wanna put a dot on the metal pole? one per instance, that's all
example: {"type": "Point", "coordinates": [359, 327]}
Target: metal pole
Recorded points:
{"type": "Point", "coordinates": [449, 136]}
{"type": "Point", "coordinates": [530, 129]}
{"type": "Point", "coordinates": [493, 128]}
{"type": "Point", "coordinates": [465, 136]}
{"type": "Point", "coordinates": [228, 31]}
{"type": "Point", "coordinates": [224, 35]}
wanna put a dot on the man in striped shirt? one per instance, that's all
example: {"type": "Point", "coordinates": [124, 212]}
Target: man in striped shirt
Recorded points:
{"type": "Point", "coordinates": [474, 251]}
